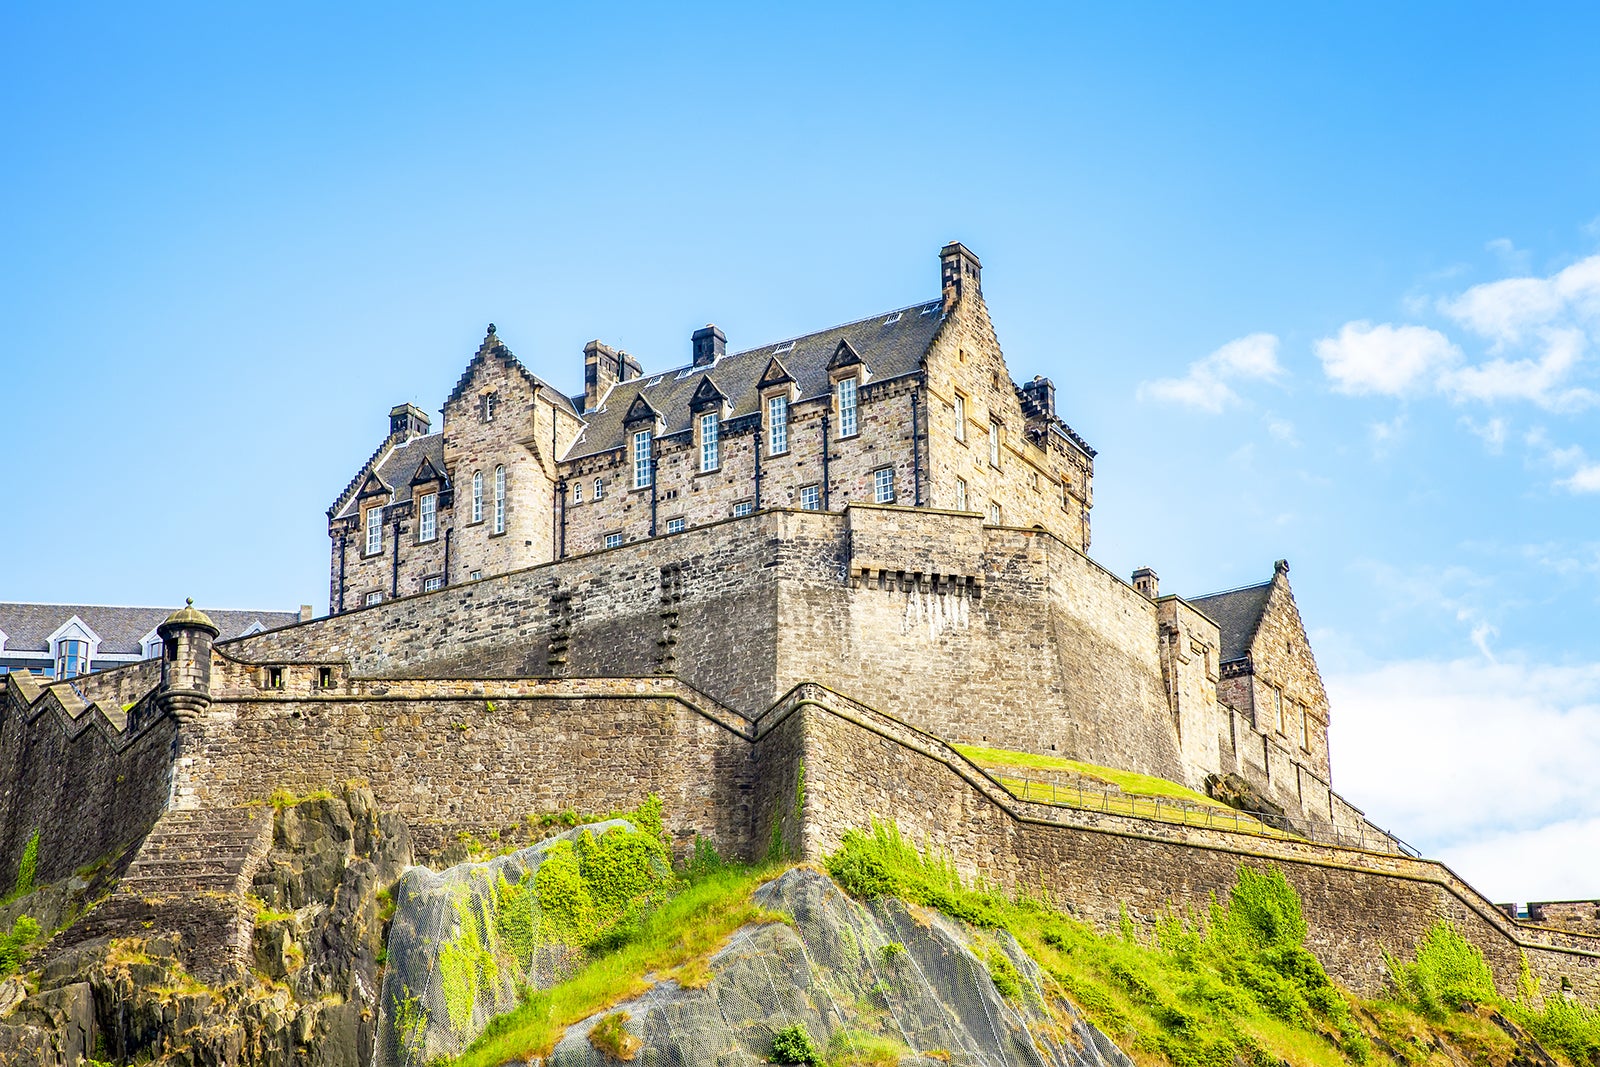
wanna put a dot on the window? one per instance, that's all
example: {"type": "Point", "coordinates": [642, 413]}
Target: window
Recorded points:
{"type": "Point", "coordinates": [743, 508]}
{"type": "Point", "coordinates": [325, 677]}
{"type": "Point", "coordinates": [499, 500]}
{"type": "Point", "coordinates": [1277, 708]}
{"type": "Point", "coordinates": [810, 498]}
{"type": "Point", "coordinates": [710, 455]}
{"type": "Point", "coordinates": [883, 485]}
{"type": "Point", "coordinates": [961, 494]}
{"type": "Point", "coordinates": [577, 492]}
{"type": "Point", "coordinates": [1305, 727]}
{"type": "Point", "coordinates": [427, 516]}
{"type": "Point", "coordinates": [642, 465]}
{"type": "Point", "coordinates": [477, 496]}
{"type": "Point", "coordinates": [599, 488]}
{"type": "Point", "coordinates": [274, 677]}
{"type": "Point", "coordinates": [373, 598]}
{"type": "Point", "coordinates": [675, 525]}
{"type": "Point", "coordinates": [994, 513]}
{"type": "Point", "coordinates": [994, 444]}
{"type": "Point", "coordinates": [613, 540]}
{"type": "Point", "coordinates": [474, 575]}
{"type": "Point", "coordinates": [72, 658]}
{"type": "Point", "coordinates": [848, 425]}
{"type": "Point", "coordinates": [1066, 497]}
{"type": "Point", "coordinates": [374, 531]}
{"type": "Point", "coordinates": [489, 403]}
{"type": "Point", "coordinates": [961, 417]}
{"type": "Point", "coordinates": [777, 425]}
{"type": "Point", "coordinates": [432, 583]}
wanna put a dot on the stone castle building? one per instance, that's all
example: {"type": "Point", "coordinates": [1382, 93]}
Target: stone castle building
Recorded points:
{"type": "Point", "coordinates": [827, 561]}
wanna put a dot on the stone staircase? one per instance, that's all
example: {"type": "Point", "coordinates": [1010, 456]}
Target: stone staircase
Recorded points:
{"type": "Point", "coordinates": [190, 877]}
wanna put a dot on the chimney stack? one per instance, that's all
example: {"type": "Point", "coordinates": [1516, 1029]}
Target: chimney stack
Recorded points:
{"type": "Point", "coordinates": [603, 367]}
{"type": "Point", "coordinates": [408, 421]}
{"type": "Point", "coordinates": [959, 273]}
{"type": "Point", "coordinates": [1038, 398]}
{"type": "Point", "coordinates": [709, 345]}
{"type": "Point", "coordinates": [1146, 582]}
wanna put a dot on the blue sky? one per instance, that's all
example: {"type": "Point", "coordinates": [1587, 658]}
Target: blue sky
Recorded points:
{"type": "Point", "coordinates": [1319, 283]}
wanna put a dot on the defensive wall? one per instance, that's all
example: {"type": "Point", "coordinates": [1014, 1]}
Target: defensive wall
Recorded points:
{"type": "Point", "coordinates": [453, 755]}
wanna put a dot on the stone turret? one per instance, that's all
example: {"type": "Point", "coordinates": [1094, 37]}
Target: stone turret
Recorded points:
{"type": "Point", "coordinates": [186, 639]}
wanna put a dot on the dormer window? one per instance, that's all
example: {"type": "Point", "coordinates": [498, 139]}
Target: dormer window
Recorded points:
{"type": "Point", "coordinates": [487, 406]}
{"type": "Point", "coordinates": [72, 658]}
{"type": "Point", "coordinates": [643, 470]}
{"type": "Point", "coordinates": [374, 524]}
{"type": "Point", "coordinates": [849, 424]}
{"type": "Point", "coordinates": [710, 443]}
{"type": "Point", "coordinates": [427, 516]}
{"type": "Point", "coordinates": [777, 425]}
{"type": "Point", "coordinates": [153, 646]}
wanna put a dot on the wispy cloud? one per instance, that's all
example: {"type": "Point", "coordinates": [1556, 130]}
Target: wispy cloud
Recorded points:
{"type": "Point", "coordinates": [1206, 386]}
{"type": "Point", "coordinates": [1578, 472]}
{"type": "Point", "coordinates": [1492, 432]}
{"type": "Point", "coordinates": [1384, 359]}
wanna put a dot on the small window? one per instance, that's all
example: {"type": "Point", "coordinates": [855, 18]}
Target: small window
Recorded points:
{"type": "Point", "coordinates": [613, 540]}
{"type": "Point", "coordinates": [274, 677]}
{"type": "Point", "coordinates": [710, 451]}
{"type": "Point", "coordinates": [961, 494]}
{"type": "Point", "coordinates": [848, 423]}
{"type": "Point", "coordinates": [474, 575]}
{"type": "Point", "coordinates": [499, 500]}
{"type": "Point", "coordinates": [1305, 728]}
{"type": "Point", "coordinates": [643, 470]}
{"type": "Point", "coordinates": [994, 513]}
{"type": "Point", "coordinates": [883, 485]}
{"type": "Point", "coordinates": [72, 658]}
{"type": "Point", "coordinates": [743, 508]}
{"type": "Point", "coordinates": [477, 496]}
{"type": "Point", "coordinates": [427, 516]}
{"type": "Point", "coordinates": [488, 404]}
{"type": "Point", "coordinates": [994, 445]}
{"type": "Point", "coordinates": [777, 425]}
{"type": "Point", "coordinates": [325, 677]}
{"type": "Point", "coordinates": [675, 525]}
{"type": "Point", "coordinates": [432, 584]}
{"type": "Point", "coordinates": [1066, 497]}
{"type": "Point", "coordinates": [374, 598]}
{"type": "Point", "coordinates": [374, 531]}
{"type": "Point", "coordinates": [599, 488]}
{"type": "Point", "coordinates": [810, 498]}
{"type": "Point", "coordinates": [1277, 709]}
{"type": "Point", "coordinates": [577, 492]}
{"type": "Point", "coordinates": [961, 418]}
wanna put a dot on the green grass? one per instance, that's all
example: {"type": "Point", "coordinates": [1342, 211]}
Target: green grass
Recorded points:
{"type": "Point", "coordinates": [1140, 792]}
{"type": "Point", "coordinates": [674, 939]}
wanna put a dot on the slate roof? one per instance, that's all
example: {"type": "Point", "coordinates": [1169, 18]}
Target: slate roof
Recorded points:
{"type": "Point", "coordinates": [28, 626]}
{"type": "Point", "coordinates": [890, 344]}
{"type": "Point", "coordinates": [397, 468]}
{"type": "Point", "coordinates": [1237, 614]}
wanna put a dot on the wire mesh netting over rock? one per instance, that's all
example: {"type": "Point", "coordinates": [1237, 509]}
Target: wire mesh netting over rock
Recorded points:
{"type": "Point", "coordinates": [884, 980]}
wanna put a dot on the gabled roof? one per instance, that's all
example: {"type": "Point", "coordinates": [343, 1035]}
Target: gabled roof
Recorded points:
{"type": "Point", "coordinates": [493, 347]}
{"type": "Point", "coordinates": [1237, 613]}
{"type": "Point", "coordinates": [890, 344]}
{"type": "Point", "coordinates": [121, 630]}
{"type": "Point", "coordinates": [398, 469]}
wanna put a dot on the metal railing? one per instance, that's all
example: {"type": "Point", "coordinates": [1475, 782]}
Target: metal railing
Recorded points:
{"type": "Point", "coordinates": [1188, 813]}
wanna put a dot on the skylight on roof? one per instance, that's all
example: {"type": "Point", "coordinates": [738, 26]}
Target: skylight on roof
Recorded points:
{"type": "Point", "coordinates": [787, 346]}
{"type": "Point", "coordinates": [654, 381]}
{"type": "Point", "coordinates": [892, 319]}
{"type": "Point", "coordinates": [681, 375]}
{"type": "Point", "coordinates": [930, 309]}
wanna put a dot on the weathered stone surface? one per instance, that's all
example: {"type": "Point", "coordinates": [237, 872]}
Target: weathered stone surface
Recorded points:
{"type": "Point", "coordinates": [834, 973]}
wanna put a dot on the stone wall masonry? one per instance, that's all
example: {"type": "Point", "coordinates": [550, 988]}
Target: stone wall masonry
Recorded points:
{"type": "Point", "coordinates": [1190, 660]}
{"type": "Point", "coordinates": [863, 766]}
{"type": "Point", "coordinates": [90, 780]}
{"type": "Point", "coordinates": [1283, 664]}
{"type": "Point", "coordinates": [451, 756]}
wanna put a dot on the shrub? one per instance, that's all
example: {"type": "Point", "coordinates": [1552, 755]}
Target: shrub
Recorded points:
{"type": "Point", "coordinates": [1264, 908]}
{"type": "Point", "coordinates": [793, 1045]}
{"type": "Point", "coordinates": [28, 869]}
{"type": "Point", "coordinates": [611, 1037]}
{"type": "Point", "coordinates": [1449, 974]}
{"type": "Point", "coordinates": [14, 945]}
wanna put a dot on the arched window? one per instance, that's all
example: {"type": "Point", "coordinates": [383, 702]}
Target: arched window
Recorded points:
{"type": "Point", "coordinates": [499, 500]}
{"type": "Point", "coordinates": [599, 488]}
{"type": "Point", "coordinates": [477, 496]}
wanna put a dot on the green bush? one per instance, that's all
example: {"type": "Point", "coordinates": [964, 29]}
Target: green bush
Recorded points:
{"type": "Point", "coordinates": [14, 945]}
{"type": "Point", "coordinates": [28, 869]}
{"type": "Point", "coordinates": [1449, 974]}
{"type": "Point", "coordinates": [793, 1045]}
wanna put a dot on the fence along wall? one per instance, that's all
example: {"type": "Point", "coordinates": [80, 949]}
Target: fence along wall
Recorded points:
{"type": "Point", "coordinates": [862, 766]}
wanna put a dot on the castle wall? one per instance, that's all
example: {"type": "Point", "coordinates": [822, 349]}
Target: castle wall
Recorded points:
{"type": "Point", "coordinates": [1286, 676]}
{"type": "Point", "coordinates": [88, 785]}
{"type": "Point", "coordinates": [1190, 651]}
{"type": "Point", "coordinates": [861, 766]}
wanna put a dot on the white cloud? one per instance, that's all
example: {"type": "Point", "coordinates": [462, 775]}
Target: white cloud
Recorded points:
{"type": "Point", "coordinates": [1510, 256]}
{"type": "Point", "coordinates": [1508, 310]}
{"type": "Point", "coordinates": [1486, 765]}
{"type": "Point", "coordinates": [1384, 359]}
{"type": "Point", "coordinates": [1492, 433]}
{"type": "Point", "coordinates": [1206, 387]}
{"type": "Point", "coordinates": [1386, 434]}
{"type": "Point", "coordinates": [1538, 380]}
{"type": "Point", "coordinates": [1282, 430]}
{"type": "Point", "coordinates": [1584, 476]}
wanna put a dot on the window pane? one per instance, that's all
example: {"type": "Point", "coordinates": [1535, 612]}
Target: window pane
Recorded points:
{"type": "Point", "coordinates": [477, 496]}
{"type": "Point", "coordinates": [499, 500]}
{"type": "Point", "coordinates": [641, 459]}
{"type": "Point", "coordinates": [847, 407]}
{"type": "Point", "coordinates": [709, 452]}
{"type": "Point", "coordinates": [778, 424]}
